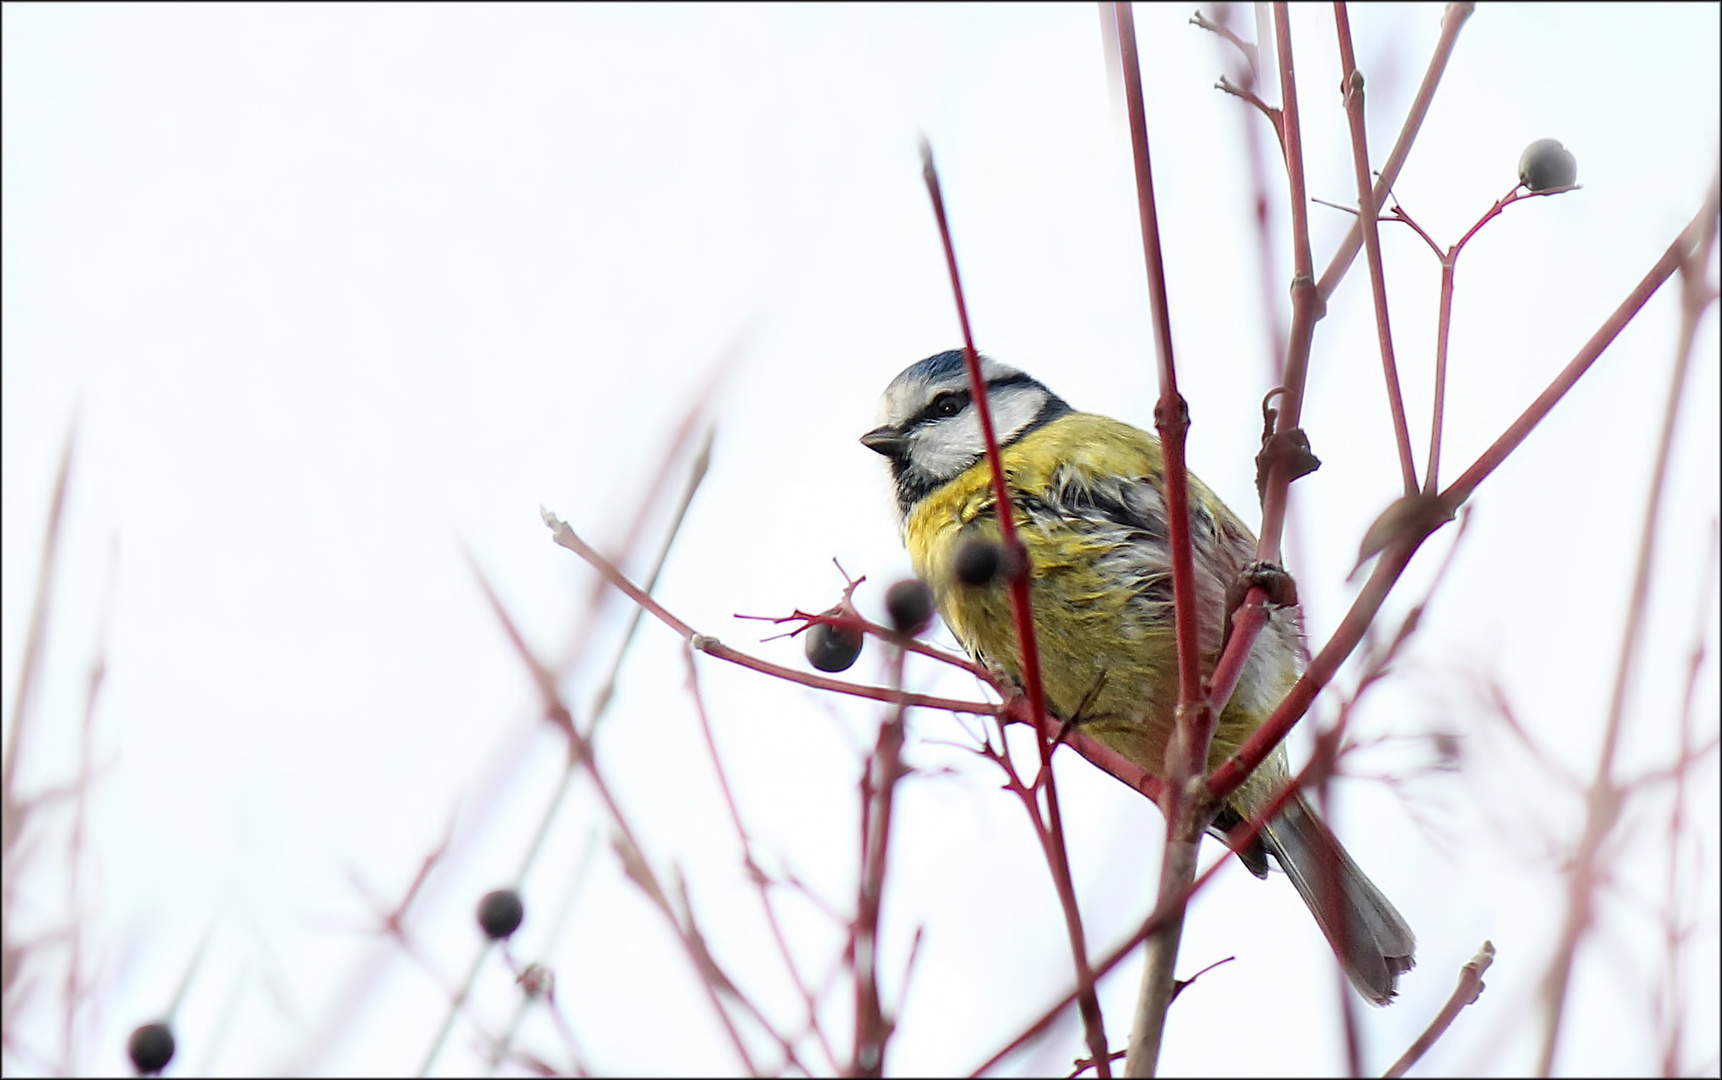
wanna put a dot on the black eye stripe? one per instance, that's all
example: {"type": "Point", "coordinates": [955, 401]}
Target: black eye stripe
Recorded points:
{"type": "Point", "coordinates": [952, 402]}
{"type": "Point", "coordinates": [944, 406]}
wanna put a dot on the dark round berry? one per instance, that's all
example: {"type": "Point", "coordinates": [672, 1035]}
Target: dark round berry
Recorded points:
{"type": "Point", "coordinates": [832, 648]}
{"type": "Point", "coordinates": [910, 605]}
{"type": "Point", "coordinates": [500, 912]}
{"type": "Point", "coordinates": [151, 1048]}
{"type": "Point", "coordinates": [978, 562]}
{"type": "Point", "coordinates": [1547, 164]}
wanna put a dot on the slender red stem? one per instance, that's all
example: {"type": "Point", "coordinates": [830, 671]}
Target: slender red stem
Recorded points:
{"type": "Point", "coordinates": [1676, 928]}
{"type": "Point", "coordinates": [1438, 412]}
{"type": "Point", "coordinates": [1322, 667]}
{"type": "Point", "coordinates": [566, 537]}
{"type": "Point", "coordinates": [762, 885]}
{"type": "Point", "coordinates": [1393, 560]}
{"type": "Point", "coordinates": [1604, 799]}
{"type": "Point", "coordinates": [1093, 1024]}
{"type": "Point", "coordinates": [1187, 751]}
{"type": "Point", "coordinates": [1239, 839]}
{"type": "Point", "coordinates": [1308, 307]}
{"type": "Point", "coordinates": [1352, 80]}
{"type": "Point", "coordinates": [1452, 21]}
{"type": "Point", "coordinates": [1469, 988]}
{"type": "Point", "coordinates": [719, 987]}
{"type": "Point", "coordinates": [1022, 601]}
{"type": "Point", "coordinates": [1171, 416]}
{"type": "Point", "coordinates": [878, 798]}
{"type": "Point", "coordinates": [18, 723]}
{"type": "Point", "coordinates": [1491, 459]}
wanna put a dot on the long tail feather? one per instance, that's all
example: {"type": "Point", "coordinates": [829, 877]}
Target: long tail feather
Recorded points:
{"type": "Point", "coordinates": [1371, 939]}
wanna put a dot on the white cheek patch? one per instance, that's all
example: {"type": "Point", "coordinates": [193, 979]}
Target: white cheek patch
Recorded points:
{"type": "Point", "coordinates": [1014, 410]}
{"type": "Point", "coordinates": [946, 448]}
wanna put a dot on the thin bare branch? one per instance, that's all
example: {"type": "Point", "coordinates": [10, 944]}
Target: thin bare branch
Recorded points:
{"type": "Point", "coordinates": [17, 724]}
{"type": "Point", "coordinates": [1193, 728]}
{"type": "Point", "coordinates": [1675, 929]}
{"type": "Point", "coordinates": [1352, 80]}
{"type": "Point", "coordinates": [755, 874]}
{"type": "Point", "coordinates": [1470, 987]}
{"type": "Point", "coordinates": [1604, 800]}
{"type": "Point", "coordinates": [1452, 21]}
{"type": "Point", "coordinates": [711, 646]}
{"type": "Point", "coordinates": [1023, 610]}
{"type": "Point", "coordinates": [1516, 433]}
{"type": "Point", "coordinates": [1433, 513]}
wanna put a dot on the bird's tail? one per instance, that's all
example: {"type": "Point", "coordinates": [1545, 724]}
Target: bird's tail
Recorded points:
{"type": "Point", "coordinates": [1371, 939]}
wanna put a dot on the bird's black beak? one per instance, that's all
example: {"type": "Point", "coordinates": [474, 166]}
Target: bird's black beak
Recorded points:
{"type": "Point", "coordinates": [885, 440]}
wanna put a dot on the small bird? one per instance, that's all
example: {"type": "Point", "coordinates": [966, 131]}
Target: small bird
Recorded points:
{"type": "Point", "coordinates": [1088, 498]}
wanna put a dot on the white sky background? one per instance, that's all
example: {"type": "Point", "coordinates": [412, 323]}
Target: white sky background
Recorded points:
{"type": "Point", "coordinates": [333, 292]}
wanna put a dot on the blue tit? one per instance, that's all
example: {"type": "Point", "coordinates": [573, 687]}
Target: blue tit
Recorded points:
{"type": "Point", "coordinates": [1088, 497]}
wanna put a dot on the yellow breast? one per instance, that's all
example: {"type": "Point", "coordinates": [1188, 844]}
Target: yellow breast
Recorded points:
{"type": "Point", "coordinates": [1086, 494]}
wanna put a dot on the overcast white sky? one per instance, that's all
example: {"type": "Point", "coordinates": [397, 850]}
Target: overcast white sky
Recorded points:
{"type": "Point", "coordinates": [333, 293]}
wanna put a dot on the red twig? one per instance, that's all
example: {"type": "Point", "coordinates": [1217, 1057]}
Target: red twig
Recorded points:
{"type": "Point", "coordinates": [878, 800]}
{"type": "Point", "coordinates": [1461, 489]}
{"type": "Point", "coordinates": [683, 436]}
{"type": "Point", "coordinates": [1221, 27]}
{"type": "Point", "coordinates": [1321, 668]}
{"type": "Point", "coordinates": [696, 477]}
{"type": "Point", "coordinates": [76, 990]}
{"type": "Point", "coordinates": [1309, 302]}
{"type": "Point", "coordinates": [711, 646]}
{"type": "Point", "coordinates": [717, 985]}
{"type": "Point", "coordinates": [1268, 289]}
{"type": "Point", "coordinates": [1351, 79]}
{"type": "Point", "coordinates": [1415, 527]}
{"type": "Point", "coordinates": [1252, 78]}
{"type": "Point", "coordinates": [1352, 84]}
{"type": "Point", "coordinates": [1308, 306]}
{"type": "Point", "coordinates": [754, 873]}
{"type": "Point", "coordinates": [17, 725]}
{"type": "Point", "coordinates": [527, 977]}
{"type": "Point", "coordinates": [1243, 836]}
{"type": "Point", "coordinates": [1021, 598]}
{"type": "Point", "coordinates": [15, 809]}
{"type": "Point", "coordinates": [1022, 605]}
{"type": "Point", "coordinates": [1692, 252]}
{"type": "Point", "coordinates": [857, 621]}
{"type": "Point", "coordinates": [1449, 260]}
{"type": "Point", "coordinates": [1675, 929]}
{"type": "Point", "coordinates": [1171, 414]}
{"type": "Point", "coordinates": [1469, 989]}
{"type": "Point", "coordinates": [1193, 730]}
{"type": "Point", "coordinates": [1452, 21]}
{"type": "Point", "coordinates": [1239, 839]}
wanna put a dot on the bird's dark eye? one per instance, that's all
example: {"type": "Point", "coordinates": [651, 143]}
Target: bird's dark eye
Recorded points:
{"type": "Point", "coordinates": [948, 404]}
